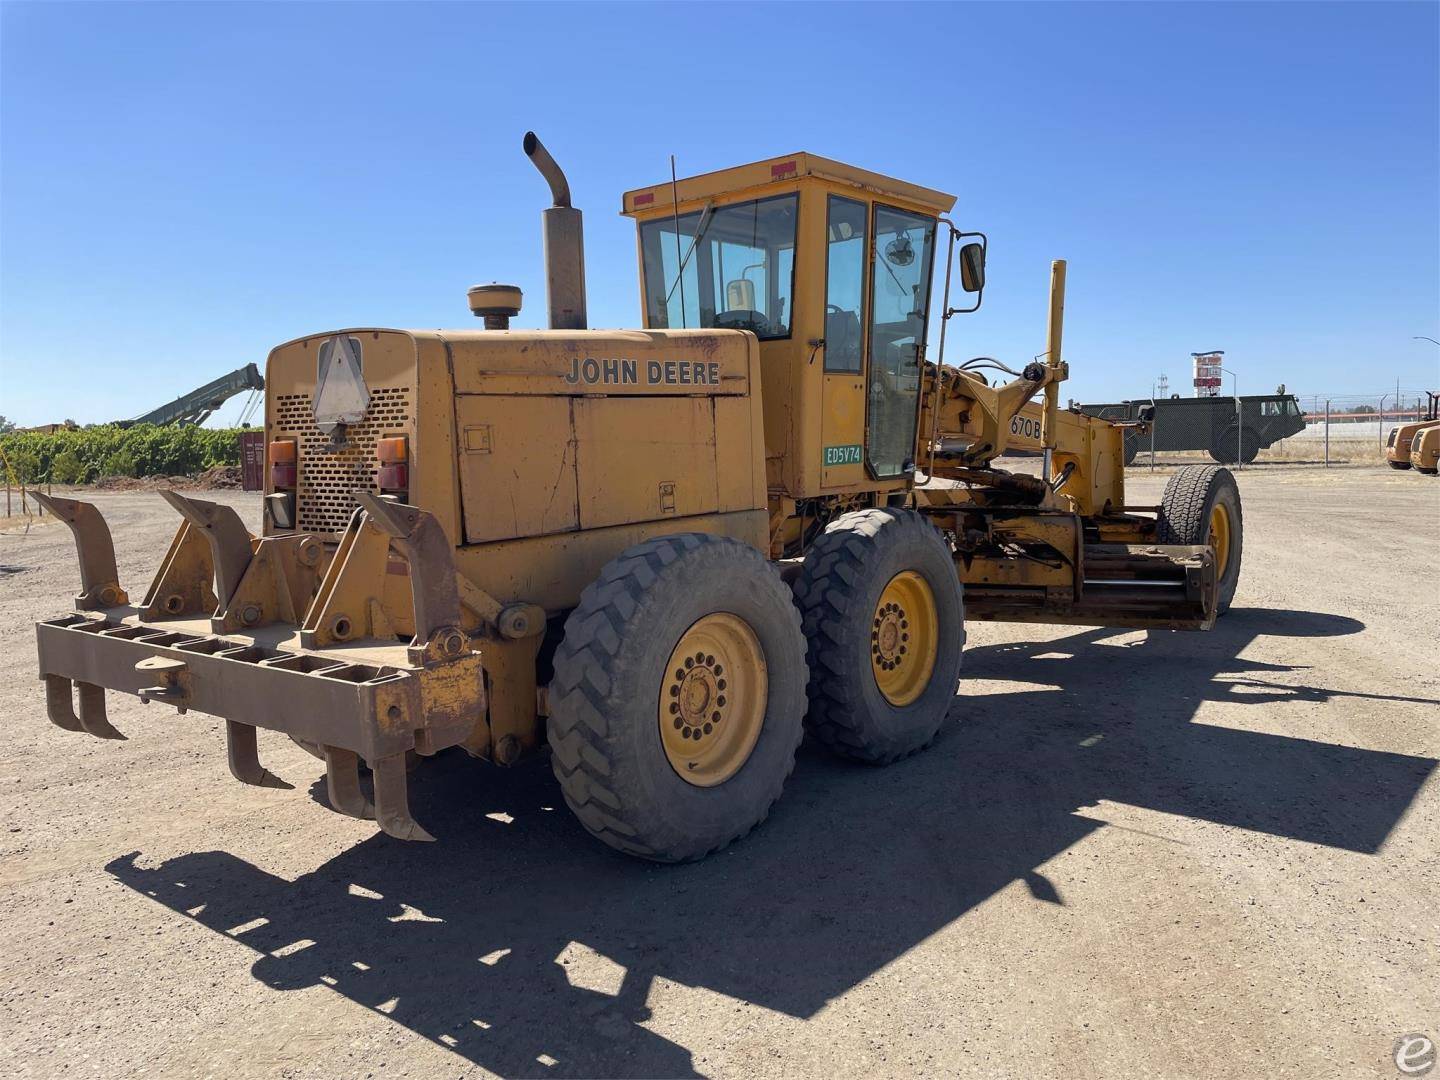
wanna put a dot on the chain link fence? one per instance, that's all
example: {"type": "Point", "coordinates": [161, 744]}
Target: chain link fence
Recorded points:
{"type": "Point", "coordinates": [1337, 430]}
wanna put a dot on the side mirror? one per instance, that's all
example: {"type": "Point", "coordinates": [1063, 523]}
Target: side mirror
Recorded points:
{"type": "Point", "coordinates": [972, 267]}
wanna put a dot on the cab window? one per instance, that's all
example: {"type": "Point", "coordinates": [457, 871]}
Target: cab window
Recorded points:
{"type": "Point", "coordinates": [903, 252]}
{"type": "Point", "coordinates": [729, 268]}
{"type": "Point", "coordinates": [845, 232]}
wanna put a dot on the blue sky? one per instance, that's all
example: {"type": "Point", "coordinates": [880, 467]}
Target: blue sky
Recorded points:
{"type": "Point", "coordinates": [184, 186]}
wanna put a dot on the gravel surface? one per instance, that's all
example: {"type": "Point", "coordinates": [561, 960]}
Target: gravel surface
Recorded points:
{"type": "Point", "coordinates": [1131, 854]}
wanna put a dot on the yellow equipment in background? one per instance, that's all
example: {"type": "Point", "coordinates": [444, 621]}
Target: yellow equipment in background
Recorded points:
{"type": "Point", "coordinates": [1425, 449]}
{"type": "Point", "coordinates": [1404, 438]}
{"type": "Point", "coordinates": [661, 552]}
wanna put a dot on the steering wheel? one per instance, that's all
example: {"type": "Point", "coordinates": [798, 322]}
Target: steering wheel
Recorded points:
{"type": "Point", "coordinates": [741, 319]}
{"type": "Point", "coordinates": [850, 331]}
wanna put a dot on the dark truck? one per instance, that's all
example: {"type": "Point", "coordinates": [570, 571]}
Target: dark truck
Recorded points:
{"type": "Point", "coordinates": [1207, 423]}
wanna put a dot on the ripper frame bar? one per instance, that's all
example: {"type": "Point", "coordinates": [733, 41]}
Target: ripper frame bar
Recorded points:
{"type": "Point", "coordinates": [370, 699]}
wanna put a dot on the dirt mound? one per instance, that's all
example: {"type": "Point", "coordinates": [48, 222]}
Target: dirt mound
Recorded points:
{"type": "Point", "coordinates": [218, 477]}
{"type": "Point", "coordinates": [221, 476]}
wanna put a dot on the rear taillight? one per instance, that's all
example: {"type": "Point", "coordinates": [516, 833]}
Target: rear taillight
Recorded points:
{"type": "Point", "coordinates": [280, 503]}
{"type": "Point", "coordinates": [393, 455]}
{"type": "Point", "coordinates": [282, 464]}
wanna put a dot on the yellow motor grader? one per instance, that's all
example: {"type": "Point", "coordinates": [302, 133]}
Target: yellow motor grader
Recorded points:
{"type": "Point", "coordinates": [1425, 450]}
{"type": "Point", "coordinates": [1415, 445]}
{"type": "Point", "coordinates": [665, 553]}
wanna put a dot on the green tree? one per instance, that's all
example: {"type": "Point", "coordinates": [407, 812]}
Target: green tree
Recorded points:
{"type": "Point", "coordinates": [67, 468]}
{"type": "Point", "coordinates": [120, 462]}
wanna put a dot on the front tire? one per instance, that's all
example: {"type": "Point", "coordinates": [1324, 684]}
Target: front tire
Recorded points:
{"type": "Point", "coordinates": [1226, 447]}
{"type": "Point", "coordinates": [881, 604]}
{"type": "Point", "coordinates": [1201, 505]}
{"type": "Point", "coordinates": [678, 697]}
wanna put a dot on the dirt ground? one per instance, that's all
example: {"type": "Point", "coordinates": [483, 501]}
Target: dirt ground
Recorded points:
{"type": "Point", "coordinates": [1131, 854]}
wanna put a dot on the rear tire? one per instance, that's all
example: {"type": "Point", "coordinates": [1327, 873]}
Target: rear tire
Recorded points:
{"type": "Point", "coordinates": [1398, 464]}
{"type": "Point", "coordinates": [874, 587]}
{"type": "Point", "coordinates": [641, 774]}
{"type": "Point", "coordinates": [1224, 450]}
{"type": "Point", "coordinates": [1201, 505]}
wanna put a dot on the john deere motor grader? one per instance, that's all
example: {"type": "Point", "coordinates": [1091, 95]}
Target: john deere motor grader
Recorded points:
{"type": "Point", "coordinates": [663, 552]}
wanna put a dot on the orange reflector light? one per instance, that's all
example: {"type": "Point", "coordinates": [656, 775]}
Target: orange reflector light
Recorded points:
{"type": "Point", "coordinates": [282, 450]}
{"type": "Point", "coordinates": [392, 450]}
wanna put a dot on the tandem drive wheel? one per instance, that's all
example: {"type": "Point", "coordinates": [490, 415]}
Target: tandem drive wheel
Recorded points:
{"type": "Point", "coordinates": [1201, 505]}
{"type": "Point", "coordinates": [881, 603]}
{"type": "Point", "coordinates": [678, 697]}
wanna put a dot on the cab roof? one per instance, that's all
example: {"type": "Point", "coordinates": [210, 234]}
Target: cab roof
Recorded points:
{"type": "Point", "coordinates": [641, 202]}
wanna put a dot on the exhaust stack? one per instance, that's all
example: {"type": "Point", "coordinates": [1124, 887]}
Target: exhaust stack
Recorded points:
{"type": "Point", "coordinates": [564, 245]}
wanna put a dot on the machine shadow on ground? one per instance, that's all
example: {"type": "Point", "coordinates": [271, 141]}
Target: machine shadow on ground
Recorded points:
{"type": "Point", "coordinates": [462, 941]}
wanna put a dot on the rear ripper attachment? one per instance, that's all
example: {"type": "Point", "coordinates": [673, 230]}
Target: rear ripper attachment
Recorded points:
{"type": "Point", "coordinates": [278, 633]}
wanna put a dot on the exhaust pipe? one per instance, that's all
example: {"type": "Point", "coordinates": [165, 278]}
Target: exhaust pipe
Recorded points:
{"type": "Point", "coordinates": [564, 245]}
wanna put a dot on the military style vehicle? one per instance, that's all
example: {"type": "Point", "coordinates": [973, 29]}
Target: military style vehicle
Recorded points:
{"type": "Point", "coordinates": [663, 552]}
{"type": "Point", "coordinates": [1213, 424]}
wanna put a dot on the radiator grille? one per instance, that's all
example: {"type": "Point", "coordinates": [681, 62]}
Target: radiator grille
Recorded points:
{"type": "Point", "coordinates": [327, 478]}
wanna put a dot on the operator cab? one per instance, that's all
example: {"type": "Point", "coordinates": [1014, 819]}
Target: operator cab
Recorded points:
{"type": "Point", "coordinates": [831, 267]}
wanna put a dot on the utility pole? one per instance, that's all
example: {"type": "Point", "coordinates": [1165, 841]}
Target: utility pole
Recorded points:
{"type": "Point", "coordinates": [1239, 419]}
{"type": "Point", "coordinates": [1327, 434]}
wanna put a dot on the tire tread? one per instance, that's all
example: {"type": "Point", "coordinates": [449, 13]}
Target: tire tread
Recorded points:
{"type": "Point", "coordinates": [580, 691]}
{"type": "Point", "coordinates": [834, 563]}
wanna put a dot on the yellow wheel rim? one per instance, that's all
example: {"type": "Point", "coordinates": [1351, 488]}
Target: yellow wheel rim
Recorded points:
{"type": "Point", "coordinates": [904, 638]}
{"type": "Point", "coordinates": [712, 699]}
{"type": "Point", "coordinates": [1220, 538]}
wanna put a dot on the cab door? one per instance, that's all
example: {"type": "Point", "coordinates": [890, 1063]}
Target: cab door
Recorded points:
{"type": "Point", "coordinates": [904, 250]}
{"type": "Point", "coordinates": [842, 424]}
